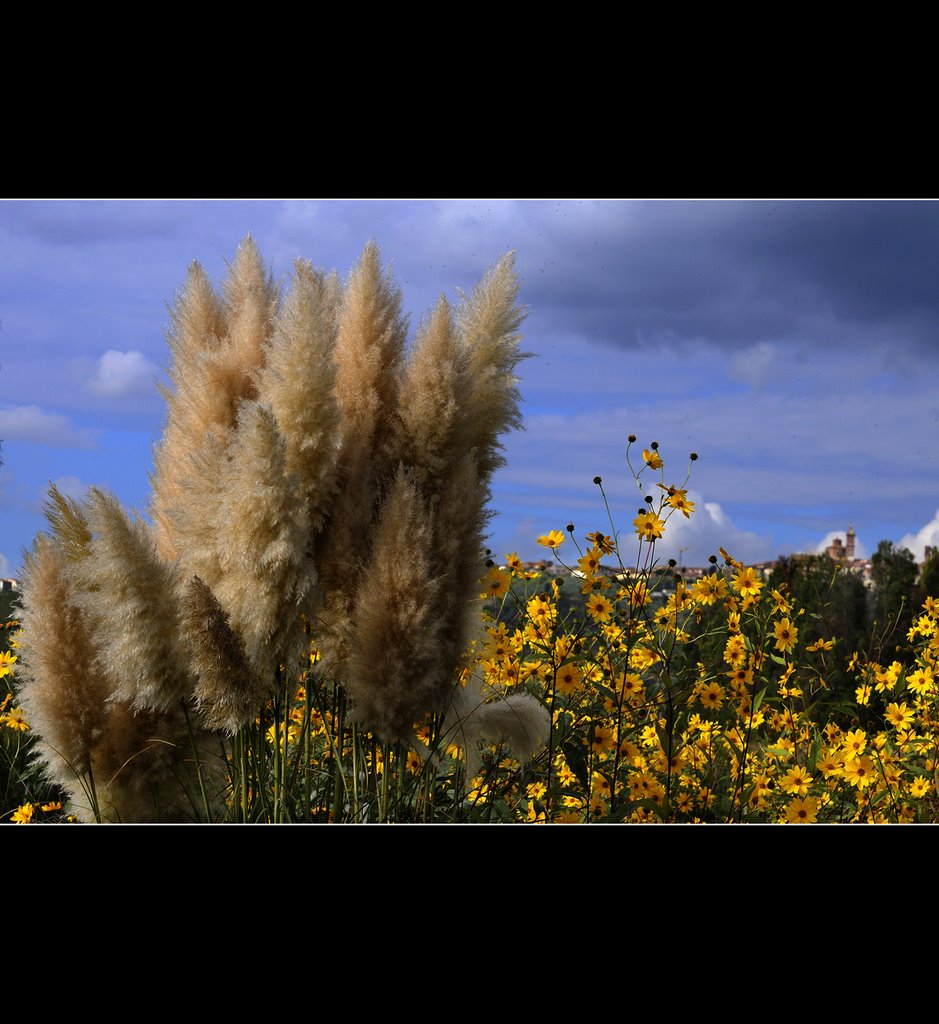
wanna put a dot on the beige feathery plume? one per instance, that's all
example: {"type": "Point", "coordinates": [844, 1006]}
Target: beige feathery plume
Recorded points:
{"type": "Point", "coordinates": [370, 345]}
{"type": "Point", "coordinates": [200, 488]}
{"type": "Point", "coordinates": [369, 348]}
{"type": "Point", "coordinates": [393, 670]}
{"type": "Point", "coordinates": [198, 327]}
{"type": "Point", "coordinates": [127, 594]}
{"type": "Point", "coordinates": [149, 768]}
{"type": "Point", "coordinates": [434, 528]}
{"type": "Point", "coordinates": [252, 299]}
{"type": "Point", "coordinates": [488, 322]}
{"type": "Point", "coordinates": [262, 530]}
{"type": "Point", "coordinates": [476, 713]}
{"type": "Point", "coordinates": [114, 765]}
{"type": "Point", "coordinates": [218, 344]}
{"type": "Point", "coordinates": [69, 525]}
{"type": "Point", "coordinates": [228, 691]}
{"type": "Point", "coordinates": [432, 427]}
{"type": "Point", "coordinates": [61, 689]}
{"type": "Point", "coordinates": [459, 517]}
{"type": "Point", "coordinates": [297, 382]}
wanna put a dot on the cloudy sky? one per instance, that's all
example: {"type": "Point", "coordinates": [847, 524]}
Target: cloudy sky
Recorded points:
{"type": "Point", "coordinates": [794, 345]}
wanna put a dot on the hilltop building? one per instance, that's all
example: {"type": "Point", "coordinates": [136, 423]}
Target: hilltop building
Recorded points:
{"type": "Point", "coordinates": [842, 551]}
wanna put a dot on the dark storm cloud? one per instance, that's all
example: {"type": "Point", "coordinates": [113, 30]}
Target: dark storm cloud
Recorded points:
{"type": "Point", "coordinates": [737, 273]}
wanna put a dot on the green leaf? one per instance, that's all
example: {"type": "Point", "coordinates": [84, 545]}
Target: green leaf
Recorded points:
{"type": "Point", "coordinates": [758, 700]}
{"type": "Point", "coordinates": [576, 754]}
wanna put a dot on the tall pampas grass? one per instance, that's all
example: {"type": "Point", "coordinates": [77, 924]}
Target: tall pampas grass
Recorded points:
{"type": "Point", "coordinates": [312, 469]}
{"type": "Point", "coordinates": [114, 763]}
{"type": "Point", "coordinates": [217, 344]}
{"type": "Point", "coordinates": [127, 595]}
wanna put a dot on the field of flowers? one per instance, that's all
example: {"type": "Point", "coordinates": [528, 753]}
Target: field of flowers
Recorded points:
{"type": "Point", "coordinates": [668, 701]}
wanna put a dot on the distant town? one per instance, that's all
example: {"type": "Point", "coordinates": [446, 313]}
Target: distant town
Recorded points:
{"type": "Point", "coordinates": [839, 551]}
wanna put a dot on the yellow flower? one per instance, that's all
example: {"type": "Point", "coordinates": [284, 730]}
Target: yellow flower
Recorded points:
{"type": "Point", "coordinates": [6, 663]}
{"type": "Point", "coordinates": [735, 651]}
{"type": "Point", "coordinates": [683, 505]}
{"type": "Point", "coordinates": [746, 582]}
{"type": "Point", "coordinates": [602, 739]}
{"type": "Point", "coordinates": [552, 540]}
{"type": "Point", "coordinates": [648, 526]}
{"type": "Point", "coordinates": [821, 645]}
{"type": "Point", "coordinates": [740, 677]}
{"type": "Point", "coordinates": [599, 607]}
{"type": "Point", "coordinates": [888, 677]}
{"type": "Point", "coordinates": [920, 681]}
{"type": "Point", "coordinates": [652, 458]}
{"type": "Point", "coordinates": [23, 815]}
{"type": "Point", "coordinates": [801, 811]}
{"type": "Point", "coordinates": [796, 780]}
{"type": "Point", "coordinates": [603, 542]}
{"type": "Point", "coordinates": [709, 589]}
{"type": "Point", "coordinates": [859, 771]}
{"type": "Point", "coordinates": [513, 562]}
{"type": "Point", "coordinates": [830, 763]}
{"type": "Point", "coordinates": [711, 696]}
{"type": "Point", "coordinates": [589, 564]}
{"type": "Point", "coordinates": [496, 582]}
{"type": "Point", "coordinates": [786, 635]}
{"type": "Point", "coordinates": [568, 678]}
{"type": "Point", "coordinates": [15, 720]}
{"type": "Point", "coordinates": [638, 592]}
{"type": "Point", "coordinates": [920, 787]}
{"type": "Point", "coordinates": [853, 743]}
{"type": "Point", "coordinates": [899, 716]}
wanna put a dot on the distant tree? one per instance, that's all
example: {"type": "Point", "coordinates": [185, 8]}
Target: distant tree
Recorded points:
{"type": "Point", "coordinates": [896, 596]}
{"type": "Point", "coordinates": [929, 576]}
{"type": "Point", "coordinates": [836, 607]}
{"type": "Point", "coordinates": [8, 604]}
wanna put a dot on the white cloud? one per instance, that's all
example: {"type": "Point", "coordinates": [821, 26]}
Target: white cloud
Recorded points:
{"type": "Point", "coordinates": [71, 487]}
{"type": "Point", "coordinates": [691, 541]}
{"type": "Point", "coordinates": [4, 566]}
{"type": "Point", "coordinates": [30, 423]}
{"type": "Point", "coordinates": [859, 550]}
{"type": "Point", "coordinates": [917, 542]}
{"type": "Point", "coordinates": [756, 365]}
{"type": "Point", "coordinates": [123, 373]}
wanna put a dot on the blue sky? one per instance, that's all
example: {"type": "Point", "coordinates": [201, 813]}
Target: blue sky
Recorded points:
{"type": "Point", "coordinates": [794, 345]}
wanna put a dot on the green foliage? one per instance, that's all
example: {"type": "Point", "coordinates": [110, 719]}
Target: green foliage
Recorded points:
{"type": "Point", "coordinates": [929, 576]}
{"type": "Point", "coordinates": [896, 596]}
{"type": "Point", "coordinates": [835, 603]}
{"type": "Point", "coordinates": [8, 602]}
